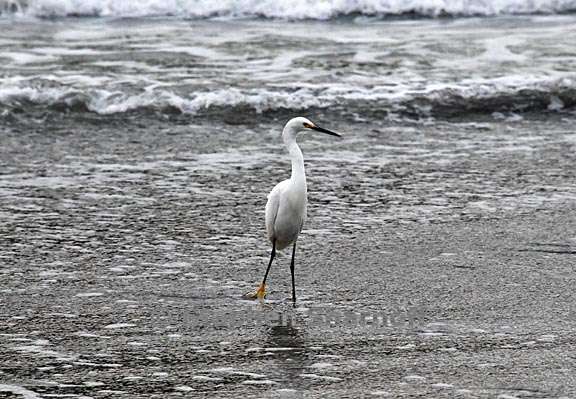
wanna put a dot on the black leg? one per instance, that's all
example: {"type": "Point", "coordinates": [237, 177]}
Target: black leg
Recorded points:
{"type": "Point", "coordinates": [292, 271]}
{"type": "Point", "coordinates": [272, 255]}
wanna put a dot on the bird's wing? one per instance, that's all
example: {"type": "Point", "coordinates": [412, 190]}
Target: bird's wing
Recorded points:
{"type": "Point", "coordinates": [272, 209]}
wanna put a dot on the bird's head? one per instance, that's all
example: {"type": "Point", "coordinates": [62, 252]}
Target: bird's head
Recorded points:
{"type": "Point", "coordinates": [299, 125]}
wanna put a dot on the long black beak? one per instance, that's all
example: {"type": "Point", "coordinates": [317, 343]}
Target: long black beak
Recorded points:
{"type": "Point", "coordinates": [321, 129]}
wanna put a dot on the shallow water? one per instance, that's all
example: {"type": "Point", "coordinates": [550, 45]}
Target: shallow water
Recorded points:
{"type": "Point", "coordinates": [126, 252]}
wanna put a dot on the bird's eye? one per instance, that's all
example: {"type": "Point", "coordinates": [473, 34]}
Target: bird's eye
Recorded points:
{"type": "Point", "coordinates": [307, 125]}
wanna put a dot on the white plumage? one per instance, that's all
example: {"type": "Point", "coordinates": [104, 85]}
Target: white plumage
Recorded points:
{"type": "Point", "coordinates": [285, 213]}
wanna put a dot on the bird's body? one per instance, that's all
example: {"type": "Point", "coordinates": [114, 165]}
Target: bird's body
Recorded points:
{"type": "Point", "coordinates": [286, 212]}
{"type": "Point", "coordinates": [286, 206]}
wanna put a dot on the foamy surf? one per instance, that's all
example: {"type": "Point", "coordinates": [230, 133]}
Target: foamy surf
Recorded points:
{"type": "Point", "coordinates": [19, 390]}
{"type": "Point", "coordinates": [284, 9]}
{"type": "Point", "coordinates": [235, 68]}
{"type": "Point", "coordinates": [513, 94]}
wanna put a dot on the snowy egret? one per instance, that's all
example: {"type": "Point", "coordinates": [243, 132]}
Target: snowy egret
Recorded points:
{"type": "Point", "coordinates": [286, 206]}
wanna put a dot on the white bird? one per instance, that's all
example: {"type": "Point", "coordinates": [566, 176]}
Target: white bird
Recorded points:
{"type": "Point", "coordinates": [286, 206]}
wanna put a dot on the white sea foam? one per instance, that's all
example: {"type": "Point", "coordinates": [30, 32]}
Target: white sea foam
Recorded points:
{"type": "Point", "coordinates": [320, 377]}
{"type": "Point", "coordinates": [106, 102]}
{"type": "Point", "coordinates": [442, 385]}
{"type": "Point", "coordinates": [414, 378]}
{"type": "Point", "coordinates": [258, 382]}
{"type": "Point", "coordinates": [89, 294]}
{"type": "Point", "coordinates": [42, 352]}
{"type": "Point", "coordinates": [286, 9]}
{"type": "Point", "coordinates": [206, 378]}
{"type": "Point", "coordinates": [119, 325]}
{"type": "Point", "coordinates": [18, 390]}
{"type": "Point", "coordinates": [321, 365]}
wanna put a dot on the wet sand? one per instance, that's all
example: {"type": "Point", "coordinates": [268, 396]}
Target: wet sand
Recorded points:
{"type": "Point", "coordinates": [124, 257]}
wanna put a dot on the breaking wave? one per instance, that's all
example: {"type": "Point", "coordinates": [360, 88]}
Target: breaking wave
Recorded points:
{"type": "Point", "coordinates": [283, 9]}
{"type": "Point", "coordinates": [436, 102]}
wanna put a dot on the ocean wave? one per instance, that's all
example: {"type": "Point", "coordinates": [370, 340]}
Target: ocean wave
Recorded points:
{"type": "Point", "coordinates": [439, 101]}
{"type": "Point", "coordinates": [282, 9]}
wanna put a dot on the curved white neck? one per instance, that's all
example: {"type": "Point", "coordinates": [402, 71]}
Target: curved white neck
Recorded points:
{"type": "Point", "coordinates": [298, 174]}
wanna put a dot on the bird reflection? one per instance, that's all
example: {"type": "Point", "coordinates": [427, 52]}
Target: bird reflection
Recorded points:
{"type": "Point", "coordinates": [287, 347]}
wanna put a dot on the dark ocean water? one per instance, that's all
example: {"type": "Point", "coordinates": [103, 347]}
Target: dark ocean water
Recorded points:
{"type": "Point", "coordinates": [360, 68]}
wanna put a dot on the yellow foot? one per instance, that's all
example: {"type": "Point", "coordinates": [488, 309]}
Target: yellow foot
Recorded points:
{"type": "Point", "coordinates": [260, 293]}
